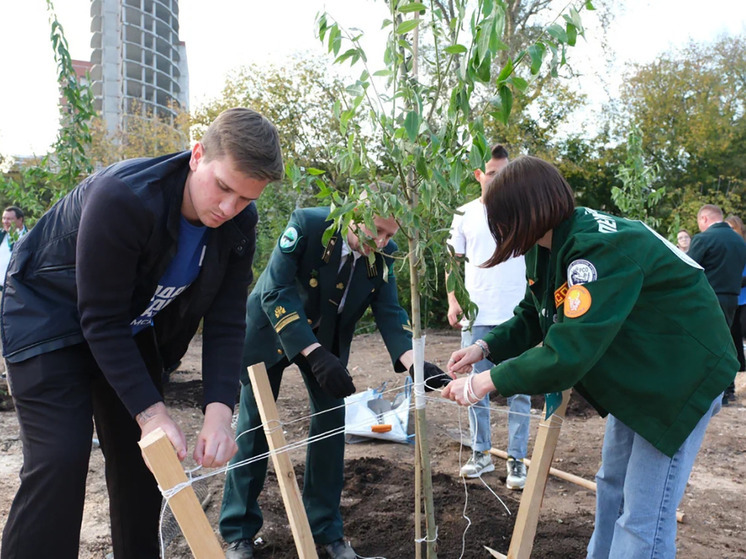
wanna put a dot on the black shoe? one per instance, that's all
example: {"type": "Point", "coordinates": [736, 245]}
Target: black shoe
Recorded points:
{"type": "Point", "coordinates": [240, 549]}
{"type": "Point", "coordinates": [340, 549]}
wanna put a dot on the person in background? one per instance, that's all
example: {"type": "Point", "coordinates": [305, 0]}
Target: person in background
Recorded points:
{"type": "Point", "coordinates": [303, 310]}
{"type": "Point", "coordinates": [496, 291]}
{"type": "Point", "coordinates": [739, 319]}
{"type": "Point", "coordinates": [721, 251]}
{"type": "Point", "coordinates": [13, 229]}
{"type": "Point", "coordinates": [116, 276]}
{"type": "Point", "coordinates": [683, 238]}
{"type": "Point", "coordinates": [628, 321]}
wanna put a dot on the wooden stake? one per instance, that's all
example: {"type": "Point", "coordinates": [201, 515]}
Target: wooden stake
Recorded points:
{"type": "Point", "coordinates": [291, 496]}
{"type": "Point", "coordinates": [417, 496]}
{"type": "Point", "coordinates": [527, 518]}
{"type": "Point", "coordinates": [572, 478]}
{"type": "Point", "coordinates": [161, 458]}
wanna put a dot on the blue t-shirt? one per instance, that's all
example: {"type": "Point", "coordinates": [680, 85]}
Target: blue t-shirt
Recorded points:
{"type": "Point", "coordinates": [179, 275]}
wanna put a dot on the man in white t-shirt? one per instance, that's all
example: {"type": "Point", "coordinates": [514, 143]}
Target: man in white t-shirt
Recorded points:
{"type": "Point", "coordinates": [496, 291]}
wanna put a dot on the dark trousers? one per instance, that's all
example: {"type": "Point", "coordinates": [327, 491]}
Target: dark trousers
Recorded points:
{"type": "Point", "coordinates": [241, 517]}
{"type": "Point", "coordinates": [56, 395]}
{"type": "Point", "coordinates": [729, 306]}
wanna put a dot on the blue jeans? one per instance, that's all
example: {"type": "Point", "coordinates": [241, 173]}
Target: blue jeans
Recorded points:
{"type": "Point", "coordinates": [638, 491]}
{"type": "Point", "coordinates": [519, 407]}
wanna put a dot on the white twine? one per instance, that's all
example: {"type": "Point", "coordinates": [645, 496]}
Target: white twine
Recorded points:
{"type": "Point", "coordinates": [273, 425]}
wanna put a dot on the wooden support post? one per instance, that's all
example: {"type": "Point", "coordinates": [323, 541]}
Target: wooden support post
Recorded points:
{"type": "Point", "coordinates": [161, 457]}
{"type": "Point", "coordinates": [291, 496]}
{"type": "Point", "coordinates": [527, 518]}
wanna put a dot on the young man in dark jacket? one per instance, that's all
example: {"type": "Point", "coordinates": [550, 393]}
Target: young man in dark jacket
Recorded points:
{"type": "Point", "coordinates": [116, 275]}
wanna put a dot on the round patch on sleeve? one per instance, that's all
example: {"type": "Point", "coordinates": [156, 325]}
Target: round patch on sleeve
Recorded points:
{"type": "Point", "coordinates": [577, 301]}
{"type": "Point", "coordinates": [289, 239]}
{"type": "Point", "coordinates": [579, 272]}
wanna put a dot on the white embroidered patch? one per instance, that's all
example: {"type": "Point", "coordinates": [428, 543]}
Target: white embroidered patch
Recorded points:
{"type": "Point", "coordinates": [289, 239]}
{"type": "Point", "coordinates": [580, 272]}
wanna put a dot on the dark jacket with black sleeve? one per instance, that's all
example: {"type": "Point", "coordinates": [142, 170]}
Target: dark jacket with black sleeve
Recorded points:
{"type": "Point", "coordinates": [92, 264]}
{"type": "Point", "coordinates": [722, 253]}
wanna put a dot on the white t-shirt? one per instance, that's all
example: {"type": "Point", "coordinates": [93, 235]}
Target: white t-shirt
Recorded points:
{"type": "Point", "coordinates": [497, 290]}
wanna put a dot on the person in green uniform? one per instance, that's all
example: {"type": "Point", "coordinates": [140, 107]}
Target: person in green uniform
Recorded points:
{"type": "Point", "coordinates": [618, 313]}
{"type": "Point", "coordinates": [303, 310]}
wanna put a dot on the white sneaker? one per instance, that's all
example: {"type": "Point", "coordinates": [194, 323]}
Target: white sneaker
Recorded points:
{"type": "Point", "coordinates": [479, 463]}
{"type": "Point", "coordinates": [516, 473]}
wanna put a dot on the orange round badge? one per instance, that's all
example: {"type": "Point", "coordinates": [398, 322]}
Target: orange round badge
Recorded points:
{"type": "Point", "coordinates": [577, 301]}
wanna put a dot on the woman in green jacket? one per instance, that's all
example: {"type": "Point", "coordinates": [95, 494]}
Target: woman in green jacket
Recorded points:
{"type": "Point", "coordinates": [618, 313]}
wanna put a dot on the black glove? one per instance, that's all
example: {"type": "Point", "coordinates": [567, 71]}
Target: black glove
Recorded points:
{"type": "Point", "coordinates": [330, 373]}
{"type": "Point", "coordinates": [434, 376]}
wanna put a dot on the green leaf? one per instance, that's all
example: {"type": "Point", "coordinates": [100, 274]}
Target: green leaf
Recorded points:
{"type": "Point", "coordinates": [589, 6]}
{"type": "Point", "coordinates": [413, 7]}
{"type": "Point", "coordinates": [412, 125]}
{"type": "Point", "coordinates": [572, 34]}
{"type": "Point", "coordinates": [536, 52]}
{"type": "Point", "coordinates": [519, 83]}
{"type": "Point", "coordinates": [384, 73]}
{"type": "Point", "coordinates": [422, 168]}
{"type": "Point", "coordinates": [456, 49]}
{"type": "Point", "coordinates": [506, 99]}
{"type": "Point", "coordinates": [313, 171]}
{"type": "Point", "coordinates": [407, 26]}
{"type": "Point", "coordinates": [505, 72]}
{"type": "Point", "coordinates": [557, 32]}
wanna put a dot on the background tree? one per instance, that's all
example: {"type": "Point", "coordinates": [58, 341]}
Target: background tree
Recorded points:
{"type": "Point", "coordinates": [143, 134]}
{"type": "Point", "coordinates": [40, 185]}
{"type": "Point", "coordinates": [689, 104]}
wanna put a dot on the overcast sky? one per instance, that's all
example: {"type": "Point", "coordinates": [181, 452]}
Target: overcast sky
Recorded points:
{"type": "Point", "coordinates": [224, 34]}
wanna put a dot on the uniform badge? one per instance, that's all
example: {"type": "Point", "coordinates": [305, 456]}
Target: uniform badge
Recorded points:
{"type": "Point", "coordinates": [560, 294]}
{"type": "Point", "coordinates": [279, 311]}
{"type": "Point", "coordinates": [580, 272]}
{"type": "Point", "coordinates": [289, 239]}
{"type": "Point", "coordinates": [313, 282]}
{"type": "Point", "coordinates": [577, 301]}
{"type": "Point", "coordinates": [340, 285]}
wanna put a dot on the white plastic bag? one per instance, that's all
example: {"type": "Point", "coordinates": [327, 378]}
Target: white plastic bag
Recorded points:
{"type": "Point", "coordinates": [368, 415]}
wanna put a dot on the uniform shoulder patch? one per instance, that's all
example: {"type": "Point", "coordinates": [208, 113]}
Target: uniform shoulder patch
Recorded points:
{"type": "Point", "coordinates": [577, 301]}
{"type": "Point", "coordinates": [580, 272]}
{"type": "Point", "coordinates": [289, 239]}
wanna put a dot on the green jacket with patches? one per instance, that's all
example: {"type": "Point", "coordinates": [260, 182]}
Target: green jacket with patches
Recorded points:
{"type": "Point", "coordinates": [290, 304]}
{"type": "Point", "coordinates": [647, 341]}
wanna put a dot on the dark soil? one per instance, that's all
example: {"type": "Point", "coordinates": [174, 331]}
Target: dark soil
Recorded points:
{"type": "Point", "coordinates": [378, 499]}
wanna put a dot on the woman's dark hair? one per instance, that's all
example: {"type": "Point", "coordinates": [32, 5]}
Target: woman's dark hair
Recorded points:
{"type": "Point", "coordinates": [524, 201]}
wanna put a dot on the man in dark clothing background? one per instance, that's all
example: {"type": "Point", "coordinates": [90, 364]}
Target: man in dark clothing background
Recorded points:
{"type": "Point", "coordinates": [112, 280]}
{"type": "Point", "coordinates": [722, 253]}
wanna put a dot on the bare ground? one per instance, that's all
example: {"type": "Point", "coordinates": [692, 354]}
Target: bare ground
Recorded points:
{"type": "Point", "coordinates": [377, 503]}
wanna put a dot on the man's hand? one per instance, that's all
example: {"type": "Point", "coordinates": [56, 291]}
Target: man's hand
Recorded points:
{"type": "Point", "coordinates": [455, 312]}
{"type": "Point", "coordinates": [331, 374]}
{"type": "Point", "coordinates": [434, 376]}
{"type": "Point", "coordinates": [215, 442]}
{"type": "Point", "coordinates": [157, 416]}
{"type": "Point", "coordinates": [462, 360]}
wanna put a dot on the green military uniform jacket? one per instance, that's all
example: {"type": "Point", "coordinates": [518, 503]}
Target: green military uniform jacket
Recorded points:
{"type": "Point", "coordinates": [627, 319]}
{"type": "Point", "coordinates": [292, 296]}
